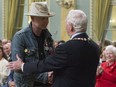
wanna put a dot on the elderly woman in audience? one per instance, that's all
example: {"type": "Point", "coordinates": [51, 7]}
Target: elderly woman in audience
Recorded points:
{"type": "Point", "coordinates": [4, 72]}
{"type": "Point", "coordinates": [106, 72]}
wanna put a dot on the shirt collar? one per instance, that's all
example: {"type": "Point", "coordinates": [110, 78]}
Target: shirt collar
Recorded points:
{"type": "Point", "coordinates": [76, 35]}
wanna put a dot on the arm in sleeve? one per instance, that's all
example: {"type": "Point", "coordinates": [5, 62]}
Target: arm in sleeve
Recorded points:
{"type": "Point", "coordinates": [51, 63]}
{"type": "Point", "coordinates": [10, 77]}
{"type": "Point", "coordinates": [43, 77]}
{"type": "Point", "coordinates": [17, 47]}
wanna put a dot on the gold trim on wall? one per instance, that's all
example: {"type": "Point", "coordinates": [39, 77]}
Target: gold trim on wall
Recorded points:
{"type": "Point", "coordinates": [96, 34]}
{"type": "Point", "coordinates": [91, 18]}
{"type": "Point", "coordinates": [3, 17]}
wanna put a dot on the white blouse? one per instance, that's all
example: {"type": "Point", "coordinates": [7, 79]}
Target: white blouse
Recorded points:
{"type": "Point", "coordinates": [4, 72]}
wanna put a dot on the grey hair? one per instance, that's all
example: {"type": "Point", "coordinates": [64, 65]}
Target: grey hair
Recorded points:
{"type": "Point", "coordinates": [111, 48]}
{"type": "Point", "coordinates": [78, 19]}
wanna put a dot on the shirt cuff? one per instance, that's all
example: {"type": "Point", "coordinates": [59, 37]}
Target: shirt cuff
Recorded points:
{"type": "Point", "coordinates": [22, 66]}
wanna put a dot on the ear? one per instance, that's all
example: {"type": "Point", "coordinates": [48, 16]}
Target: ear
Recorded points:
{"type": "Point", "coordinates": [71, 28]}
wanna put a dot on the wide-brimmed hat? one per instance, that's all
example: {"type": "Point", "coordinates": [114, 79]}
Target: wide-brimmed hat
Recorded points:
{"type": "Point", "coordinates": [40, 9]}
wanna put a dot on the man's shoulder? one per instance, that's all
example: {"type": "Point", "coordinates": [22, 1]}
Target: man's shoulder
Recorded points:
{"type": "Point", "coordinates": [80, 43]}
{"type": "Point", "coordinates": [23, 31]}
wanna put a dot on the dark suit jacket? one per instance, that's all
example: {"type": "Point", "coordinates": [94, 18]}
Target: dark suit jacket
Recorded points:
{"type": "Point", "coordinates": [74, 63]}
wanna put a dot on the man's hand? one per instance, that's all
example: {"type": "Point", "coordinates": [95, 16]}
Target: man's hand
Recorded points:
{"type": "Point", "coordinates": [11, 84]}
{"type": "Point", "coordinates": [99, 70]}
{"type": "Point", "coordinates": [50, 77]}
{"type": "Point", "coordinates": [15, 65]}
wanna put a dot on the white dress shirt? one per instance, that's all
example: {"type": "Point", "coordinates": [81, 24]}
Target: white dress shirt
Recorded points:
{"type": "Point", "coordinates": [75, 35]}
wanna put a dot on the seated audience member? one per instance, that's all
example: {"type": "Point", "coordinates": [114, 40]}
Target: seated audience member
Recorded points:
{"type": "Point", "coordinates": [10, 80]}
{"type": "Point", "coordinates": [106, 72]}
{"type": "Point", "coordinates": [4, 72]}
{"type": "Point", "coordinates": [7, 50]}
{"type": "Point", "coordinates": [4, 41]}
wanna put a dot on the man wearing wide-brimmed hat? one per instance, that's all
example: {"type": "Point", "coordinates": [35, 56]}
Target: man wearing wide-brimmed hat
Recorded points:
{"type": "Point", "coordinates": [30, 44]}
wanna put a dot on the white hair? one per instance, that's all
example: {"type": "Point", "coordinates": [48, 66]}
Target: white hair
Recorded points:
{"type": "Point", "coordinates": [78, 19]}
{"type": "Point", "coordinates": [111, 48]}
